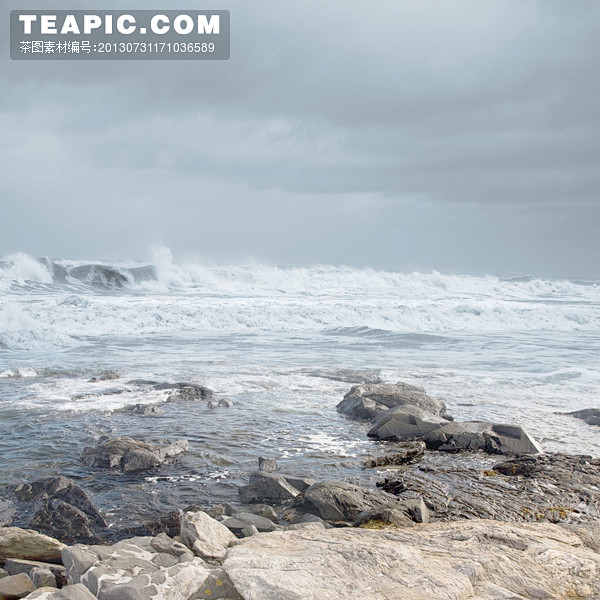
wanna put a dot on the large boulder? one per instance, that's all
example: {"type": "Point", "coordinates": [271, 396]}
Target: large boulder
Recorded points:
{"type": "Point", "coordinates": [205, 536]}
{"type": "Point", "coordinates": [269, 487]}
{"type": "Point", "coordinates": [367, 401]}
{"type": "Point", "coordinates": [56, 506]}
{"type": "Point", "coordinates": [403, 422]}
{"type": "Point", "coordinates": [70, 592]}
{"type": "Point", "coordinates": [137, 569]}
{"type": "Point", "coordinates": [128, 454]}
{"type": "Point", "coordinates": [341, 501]}
{"type": "Point", "coordinates": [58, 573]}
{"type": "Point", "coordinates": [25, 543]}
{"type": "Point", "coordinates": [590, 415]}
{"type": "Point", "coordinates": [494, 438]}
{"type": "Point", "coordinates": [446, 561]}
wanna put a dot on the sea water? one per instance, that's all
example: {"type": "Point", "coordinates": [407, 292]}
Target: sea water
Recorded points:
{"type": "Point", "coordinates": [284, 344]}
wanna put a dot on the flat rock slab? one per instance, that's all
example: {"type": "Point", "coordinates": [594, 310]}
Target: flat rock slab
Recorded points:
{"type": "Point", "coordinates": [70, 592]}
{"type": "Point", "coordinates": [590, 415]}
{"type": "Point", "coordinates": [482, 560]}
{"type": "Point", "coordinates": [495, 438]}
{"type": "Point", "coordinates": [550, 487]}
{"type": "Point", "coordinates": [403, 422]}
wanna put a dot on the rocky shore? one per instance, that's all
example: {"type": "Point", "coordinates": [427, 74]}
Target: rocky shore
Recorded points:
{"type": "Point", "coordinates": [461, 510]}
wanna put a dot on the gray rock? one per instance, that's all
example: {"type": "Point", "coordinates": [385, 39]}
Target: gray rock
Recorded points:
{"type": "Point", "coordinates": [481, 560]}
{"type": "Point", "coordinates": [267, 487]}
{"type": "Point", "coordinates": [540, 487]}
{"type": "Point", "coordinates": [3, 573]}
{"type": "Point", "coordinates": [261, 523]}
{"type": "Point", "coordinates": [147, 410]}
{"type": "Point", "coordinates": [105, 376]}
{"type": "Point", "coordinates": [185, 392]}
{"type": "Point", "coordinates": [14, 566]}
{"type": "Point", "coordinates": [134, 570]}
{"type": "Point", "coordinates": [269, 465]}
{"type": "Point", "coordinates": [248, 531]}
{"type": "Point", "coordinates": [24, 543]}
{"type": "Point", "coordinates": [404, 452]}
{"type": "Point", "coordinates": [43, 578]}
{"type": "Point", "coordinates": [367, 401]}
{"type": "Point", "coordinates": [212, 404]}
{"type": "Point", "coordinates": [15, 586]}
{"type": "Point", "coordinates": [590, 415]}
{"type": "Point", "coordinates": [206, 537]}
{"type": "Point", "coordinates": [225, 403]}
{"type": "Point", "coordinates": [494, 438]}
{"type": "Point", "coordinates": [70, 592]}
{"type": "Point", "coordinates": [128, 454]}
{"type": "Point", "coordinates": [339, 501]}
{"type": "Point", "coordinates": [378, 518]}
{"type": "Point", "coordinates": [405, 422]}
{"type": "Point", "coordinates": [56, 506]}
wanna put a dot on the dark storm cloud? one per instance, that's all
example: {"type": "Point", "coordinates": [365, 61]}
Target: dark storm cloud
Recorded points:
{"type": "Point", "coordinates": [432, 134]}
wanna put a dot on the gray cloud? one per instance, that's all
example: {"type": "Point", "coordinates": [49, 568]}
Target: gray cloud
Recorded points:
{"type": "Point", "coordinates": [459, 136]}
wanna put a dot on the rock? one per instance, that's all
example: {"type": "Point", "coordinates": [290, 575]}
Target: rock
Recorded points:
{"type": "Point", "coordinates": [242, 520]}
{"type": "Point", "coordinates": [14, 566]}
{"type": "Point", "coordinates": [340, 501]}
{"type": "Point", "coordinates": [249, 531]}
{"type": "Point", "coordinates": [185, 392]}
{"type": "Point", "coordinates": [405, 422]}
{"type": "Point", "coordinates": [70, 592]}
{"type": "Point", "coordinates": [128, 455]}
{"type": "Point", "coordinates": [56, 506]}
{"type": "Point", "coordinates": [267, 487]}
{"type": "Point", "coordinates": [218, 510]}
{"type": "Point", "coordinates": [27, 544]}
{"type": "Point", "coordinates": [43, 578]}
{"type": "Point", "coordinates": [168, 524]}
{"type": "Point", "coordinates": [268, 465]}
{"type": "Point", "coordinates": [482, 560]}
{"type": "Point", "coordinates": [590, 415]}
{"type": "Point", "coordinates": [212, 404]}
{"type": "Point", "coordinates": [3, 573]}
{"type": "Point", "coordinates": [367, 401]}
{"type": "Point", "coordinates": [15, 586]}
{"type": "Point", "coordinates": [225, 403]}
{"type": "Point", "coordinates": [404, 452]}
{"type": "Point", "coordinates": [494, 438]}
{"type": "Point", "coordinates": [105, 376]}
{"type": "Point", "coordinates": [383, 516]}
{"type": "Point", "coordinates": [546, 487]}
{"type": "Point", "coordinates": [147, 410]}
{"type": "Point", "coordinates": [206, 537]}
{"type": "Point", "coordinates": [134, 570]}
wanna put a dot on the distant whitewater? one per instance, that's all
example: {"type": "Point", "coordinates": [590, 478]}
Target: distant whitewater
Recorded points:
{"type": "Point", "coordinates": [285, 344]}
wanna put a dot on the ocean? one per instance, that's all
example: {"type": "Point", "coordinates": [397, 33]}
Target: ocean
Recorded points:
{"type": "Point", "coordinates": [284, 344]}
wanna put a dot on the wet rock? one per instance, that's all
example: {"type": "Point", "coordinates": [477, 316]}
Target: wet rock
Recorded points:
{"type": "Point", "coordinates": [146, 410]}
{"type": "Point", "coordinates": [340, 501]}
{"type": "Point", "coordinates": [267, 487]}
{"type": "Point", "coordinates": [71, 592]}
{"type": "Point", "coordinates": [404, 452]}
{"type": "Point", "coordinates": [206, 537]}
{"type": "Point", "coordinates": [367, 401]}
{"type": "Point", "coordinates": [14, 587]}
{"type": "Point", "coordinates": [494, 438]}
{"type": "Point", "coordinates": [185, 392]}
{"type": "Point", "coordinates": [590, 415]}
{"type": "Point", "coordinates": [134, 569]}
{"type": "Point", "coordinates": [105, 376]}
{"type": "Point", "coordinates": [446, 561]}
{"type": "Point", "coordinates": [542, 487]}
{"type": "Point", "coordinates": [56, 506]}
{"type": "Point", "coordinates": [14, 566]}
{"type": "Point", "coordinates": [225, 403]}
{"type": "Point", "coordinates": [128, 454]}
{"type": "Point", "coordinates": [268, 465]}
{"type": "Point", "coordinates": [168, 524]}
{"type": "Point", "coordinates": [3, 573]}
{"type": "Point", "coordinates": [405, 422]}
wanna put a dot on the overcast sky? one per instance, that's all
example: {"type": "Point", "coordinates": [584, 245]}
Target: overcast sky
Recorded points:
{"type": "Point", "coordinates": [404, 134]}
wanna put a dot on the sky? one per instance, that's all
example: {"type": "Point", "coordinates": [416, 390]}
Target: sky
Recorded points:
{"type": "Point", "coordinates": [459, 136]}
